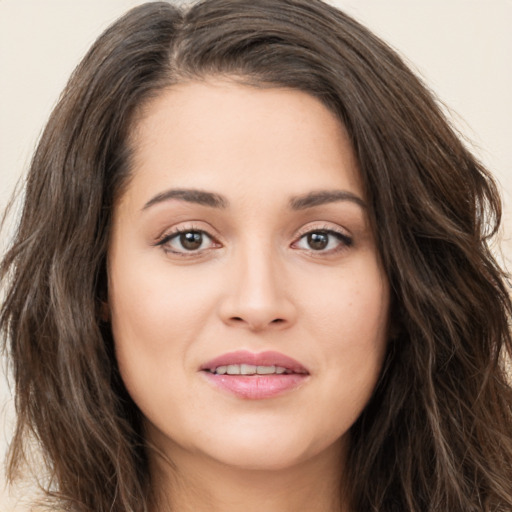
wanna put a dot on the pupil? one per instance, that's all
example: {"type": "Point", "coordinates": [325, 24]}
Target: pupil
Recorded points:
{"type": "Point", "coordinates": [318, 241]}
{"type": "Point", "coordinates": [191, 240]}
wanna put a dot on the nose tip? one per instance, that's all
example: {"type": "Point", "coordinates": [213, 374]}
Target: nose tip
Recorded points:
{"type": "Point", "coordinates": [257, 322]}
{"type": "Point", "coordinates": [257, 300]}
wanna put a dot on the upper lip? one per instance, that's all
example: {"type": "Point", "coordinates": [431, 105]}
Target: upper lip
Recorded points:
{"type": "Point", "coordinates": [268, 358]}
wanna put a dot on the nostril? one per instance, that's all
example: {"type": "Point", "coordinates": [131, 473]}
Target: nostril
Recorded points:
{"type": "Point", "coordinates": [277, 321]}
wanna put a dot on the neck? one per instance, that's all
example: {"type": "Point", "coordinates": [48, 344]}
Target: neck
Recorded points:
{"type": "Point", "coordinates": [198, 483]}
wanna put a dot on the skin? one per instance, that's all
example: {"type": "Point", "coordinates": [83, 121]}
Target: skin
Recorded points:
{"type": "Point", "coordinates": [256, 284]}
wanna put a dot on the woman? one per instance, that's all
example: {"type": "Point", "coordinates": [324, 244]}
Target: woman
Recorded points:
{"type": "Point", "coordinates": [252, 270]}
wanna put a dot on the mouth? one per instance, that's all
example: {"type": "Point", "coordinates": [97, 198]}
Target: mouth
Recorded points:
{"type": "Point", "coordinates": [251, 375]}
{"type": "Point", "coordinates": [250, 369]}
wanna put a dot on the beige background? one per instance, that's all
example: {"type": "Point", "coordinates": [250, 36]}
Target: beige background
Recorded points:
{"type": "Point", "coordinates": [462, 48]}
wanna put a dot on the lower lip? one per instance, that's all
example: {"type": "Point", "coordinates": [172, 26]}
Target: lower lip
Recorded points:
{"type": "Point", "coordinates": [256, 387]}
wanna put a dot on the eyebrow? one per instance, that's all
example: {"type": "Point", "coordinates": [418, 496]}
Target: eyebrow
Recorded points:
{"type": "Point", "coordinates": [190, 196]}
{"type": "Point", "coordinates": [321, 197]}
{"type": "Point", "coordinates": [214, 200]}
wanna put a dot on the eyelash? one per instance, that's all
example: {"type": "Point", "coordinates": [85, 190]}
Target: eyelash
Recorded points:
{"type": "Point", "coordinates": [344, 240]}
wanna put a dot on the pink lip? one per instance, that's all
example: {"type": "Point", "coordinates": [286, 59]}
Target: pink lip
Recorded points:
{"type": "Point", "coordinates": [256, 387]}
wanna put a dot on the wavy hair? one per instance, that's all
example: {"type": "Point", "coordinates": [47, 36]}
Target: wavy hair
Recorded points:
{"type": "Point", "coordinates": [437, 433]}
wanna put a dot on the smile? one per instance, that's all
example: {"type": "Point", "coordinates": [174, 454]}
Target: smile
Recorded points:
{"type": "Point", "coordinates": [254, 376]}
{"type": "Point", "coordinates": [249, 369]}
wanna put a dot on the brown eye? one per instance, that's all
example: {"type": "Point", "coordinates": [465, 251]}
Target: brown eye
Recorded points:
{"type": "Point", "coordinates": [191, 240]}
{"type": "Point", "coordinates": [318, 241]}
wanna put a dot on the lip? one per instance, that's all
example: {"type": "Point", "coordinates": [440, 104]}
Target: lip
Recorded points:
{"type": "Point", "coordinates": [255, 387]}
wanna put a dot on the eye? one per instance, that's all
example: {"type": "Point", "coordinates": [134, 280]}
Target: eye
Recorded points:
{"type": "Point", "coordinates": [323, 240]}
{"type": "Point", "coordinates": [187, 241]}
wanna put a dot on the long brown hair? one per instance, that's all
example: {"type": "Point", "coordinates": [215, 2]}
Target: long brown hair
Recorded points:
{"type": "Point", "coordinates": [437, 433]}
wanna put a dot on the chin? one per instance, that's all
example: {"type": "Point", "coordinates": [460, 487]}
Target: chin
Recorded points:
{"type": "Point", "coordinates": [267, 459]}
{"type": "Point", "coordinates": [263, 451]}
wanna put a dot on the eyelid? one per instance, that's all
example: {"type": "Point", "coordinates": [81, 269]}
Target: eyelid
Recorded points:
{"type": "Point", "coordinates": [185, 226]}
{"type": "Point", "coordinates": [311, 227]}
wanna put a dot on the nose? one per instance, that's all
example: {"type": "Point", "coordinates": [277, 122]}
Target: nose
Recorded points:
{"type": "Point", "coordinates": [259, 293]}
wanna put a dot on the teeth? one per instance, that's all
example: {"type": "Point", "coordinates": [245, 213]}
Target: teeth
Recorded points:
{"type": "Point", "coordinates": [233, 369]}
{"type": "Point", "coordinates": [249, 369]}
{"type": "Point", "coordinates": [265, 370]}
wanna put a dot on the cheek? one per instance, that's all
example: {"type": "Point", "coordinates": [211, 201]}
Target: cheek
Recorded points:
{"type": "Point", "coordinates": [350, 322]}
{"type": "Point", "coordinates": [151, 305]}
{"type": "Point", "coordinates": [350, 311]}
{"type": "Point", "coordinates": [155, 318]}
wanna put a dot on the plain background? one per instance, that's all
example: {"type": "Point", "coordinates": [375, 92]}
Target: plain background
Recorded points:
{"type": "Point", "coordinates": [461, 48]}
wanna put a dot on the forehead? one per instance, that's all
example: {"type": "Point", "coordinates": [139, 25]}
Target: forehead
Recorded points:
{"type": "Point", "coordinates": [223, 135]}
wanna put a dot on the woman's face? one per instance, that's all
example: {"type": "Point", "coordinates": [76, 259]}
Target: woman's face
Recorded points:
{"type": "Point", "coordinates": [242, 244]}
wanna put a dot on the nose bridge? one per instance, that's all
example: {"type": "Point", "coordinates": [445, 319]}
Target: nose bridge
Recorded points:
{"type": "Point", "coordinates": [258, 297]}
{"type": "Point", "coordinates": [258, 273]}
